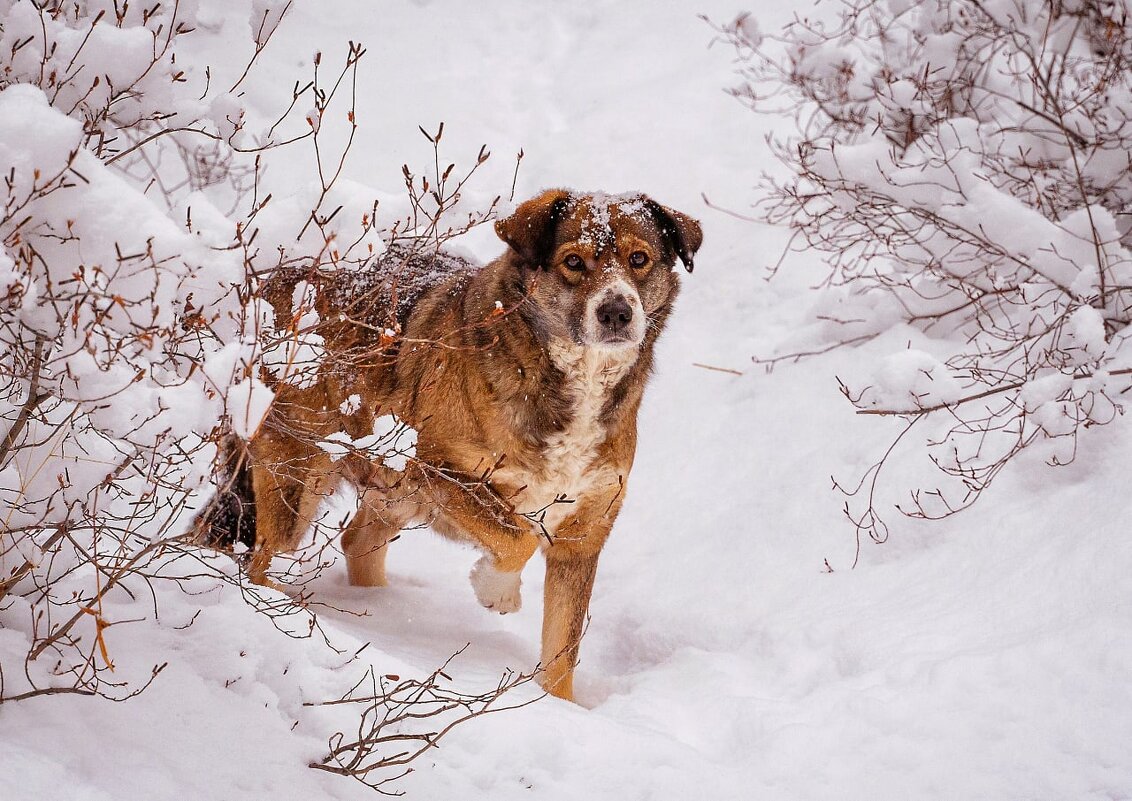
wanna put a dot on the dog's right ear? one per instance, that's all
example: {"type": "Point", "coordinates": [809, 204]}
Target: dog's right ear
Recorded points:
{"type": "Point", "coordinates": [530, 230]}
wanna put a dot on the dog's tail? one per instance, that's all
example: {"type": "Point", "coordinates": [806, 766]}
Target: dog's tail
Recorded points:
{"type": "Point", "coordinates": [229, 518]}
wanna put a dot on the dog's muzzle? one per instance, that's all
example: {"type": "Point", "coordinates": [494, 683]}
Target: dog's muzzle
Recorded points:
{"type": "Point", "coordinates": [614, 316]}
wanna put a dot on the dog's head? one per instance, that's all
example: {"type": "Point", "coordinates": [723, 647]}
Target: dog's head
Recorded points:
{"type": "Point", "coordinates": [599, 268]}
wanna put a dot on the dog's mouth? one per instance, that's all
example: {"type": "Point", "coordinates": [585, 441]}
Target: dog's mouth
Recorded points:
{"type": "Point", "coordinates": [616, 349]}
{"type": "Point", "coordinates": [600, 339]}
{"type": "Point", "coordinates": [617, 341]}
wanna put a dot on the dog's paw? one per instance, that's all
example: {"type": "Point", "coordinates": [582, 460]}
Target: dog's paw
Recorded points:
{"type": "Point", "coordinates": [496, 590]}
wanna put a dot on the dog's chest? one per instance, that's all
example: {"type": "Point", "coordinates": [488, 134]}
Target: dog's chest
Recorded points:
{"type": "Point", "coordinates": [566, 472]}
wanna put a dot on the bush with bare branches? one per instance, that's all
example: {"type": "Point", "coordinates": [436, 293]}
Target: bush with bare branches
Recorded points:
{"type": "Point", "coordinates": [388, 737]}
{"type": "Point", "coordinates": [964, 168]}
{"type": "Point", "coordinates": [138, 232]}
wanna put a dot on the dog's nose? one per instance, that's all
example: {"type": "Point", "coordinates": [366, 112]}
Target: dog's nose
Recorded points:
{"type": "Point", "coordinates": [614, 314]}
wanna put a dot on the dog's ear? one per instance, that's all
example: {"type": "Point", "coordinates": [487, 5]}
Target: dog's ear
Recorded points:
{"type": "Point", "coordinates": [681, 231]}
{"type": "Point", "coordinates": [530, 230]}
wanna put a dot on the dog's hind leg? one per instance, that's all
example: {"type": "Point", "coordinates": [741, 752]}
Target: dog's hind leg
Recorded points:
{"type": "Point", "coordinates": [290, 480]}
{"type": "Point", "coordinates": [364, 542]}
{"type": "Point", "coordinates": [366, 539]}
{"type": "Point", "coordinates": [386, 503]}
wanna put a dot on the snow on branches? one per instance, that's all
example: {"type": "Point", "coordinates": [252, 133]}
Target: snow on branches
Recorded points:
{"type": "Point", "coordinates": [137, 225]}
{"type": "Point", "coordinates": [965, 167]}
{"type": "Point", "coordinates": [128, 320]}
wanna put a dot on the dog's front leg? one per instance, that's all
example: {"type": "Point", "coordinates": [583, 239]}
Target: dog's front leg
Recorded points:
{"type": "Point", "coordinates": [571, 564]}
{"type": "Point", "coordinates": [566, 599]}
{"type": "Point", "coordinates": [468, 509]}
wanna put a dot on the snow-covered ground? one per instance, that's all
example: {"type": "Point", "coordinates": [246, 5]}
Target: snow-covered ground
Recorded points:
{"type": "Point", "coordinates": [986, 656]}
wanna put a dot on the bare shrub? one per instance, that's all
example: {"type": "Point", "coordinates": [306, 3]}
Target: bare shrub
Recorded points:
{"type": "Point", "coordinates": [388, 737]}
{"type": "Point", "coordinates": [964, 168]}
{"type": "Point", "coordinates": [139, 230]}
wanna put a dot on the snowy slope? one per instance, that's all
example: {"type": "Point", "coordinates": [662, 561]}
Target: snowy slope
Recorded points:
{"type": "Point", "coordinates": [986, 656]}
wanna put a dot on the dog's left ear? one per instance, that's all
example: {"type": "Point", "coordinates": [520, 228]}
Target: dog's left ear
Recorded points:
{"type": "Point", "coordinates": [682, 232]}
{"type": "Point", "coordinates": [530, 230]}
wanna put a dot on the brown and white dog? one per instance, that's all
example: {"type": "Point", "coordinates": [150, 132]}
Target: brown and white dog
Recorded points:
{"type": "Point", "coordinates": [522, 378]}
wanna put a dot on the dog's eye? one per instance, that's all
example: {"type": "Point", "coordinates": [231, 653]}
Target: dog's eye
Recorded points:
{"type": "Point", "coordinates": [574, 262]}
{"type": "Point", "coordinates": [638, 258]}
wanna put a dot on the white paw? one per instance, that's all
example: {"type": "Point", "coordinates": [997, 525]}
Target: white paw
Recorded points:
{"type": "Point", "coordinates": [495, 589]}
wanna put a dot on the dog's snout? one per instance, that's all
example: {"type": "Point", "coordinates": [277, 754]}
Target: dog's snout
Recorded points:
{"type": "Point", "coordinates": [614, 314]}
{"type": "Point", "coordinates": [614, 317]}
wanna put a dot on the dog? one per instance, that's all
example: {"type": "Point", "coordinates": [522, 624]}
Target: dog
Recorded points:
{"type": "Point", "coordinates": [522, 379]}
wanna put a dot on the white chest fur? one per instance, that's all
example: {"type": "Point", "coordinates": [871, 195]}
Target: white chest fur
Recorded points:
{"type": "Point", "coordinates": [564, 474]}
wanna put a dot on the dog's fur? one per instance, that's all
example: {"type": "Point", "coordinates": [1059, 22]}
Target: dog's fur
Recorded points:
{"type": "Point", "coordinates": [523, 379]}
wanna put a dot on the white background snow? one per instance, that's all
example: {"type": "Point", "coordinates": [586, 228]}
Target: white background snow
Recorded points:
{"type": "Point", "coordinates": [986, 656]}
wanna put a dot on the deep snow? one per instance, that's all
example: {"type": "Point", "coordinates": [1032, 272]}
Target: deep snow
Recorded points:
{"type": "Point", "coordinates": [986, 656]}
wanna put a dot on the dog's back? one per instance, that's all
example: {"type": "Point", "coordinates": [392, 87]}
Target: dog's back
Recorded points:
{"type": "Point", "coordinates": [362, 313]}
{"type": "Point", "coordinates": [375, 299]}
